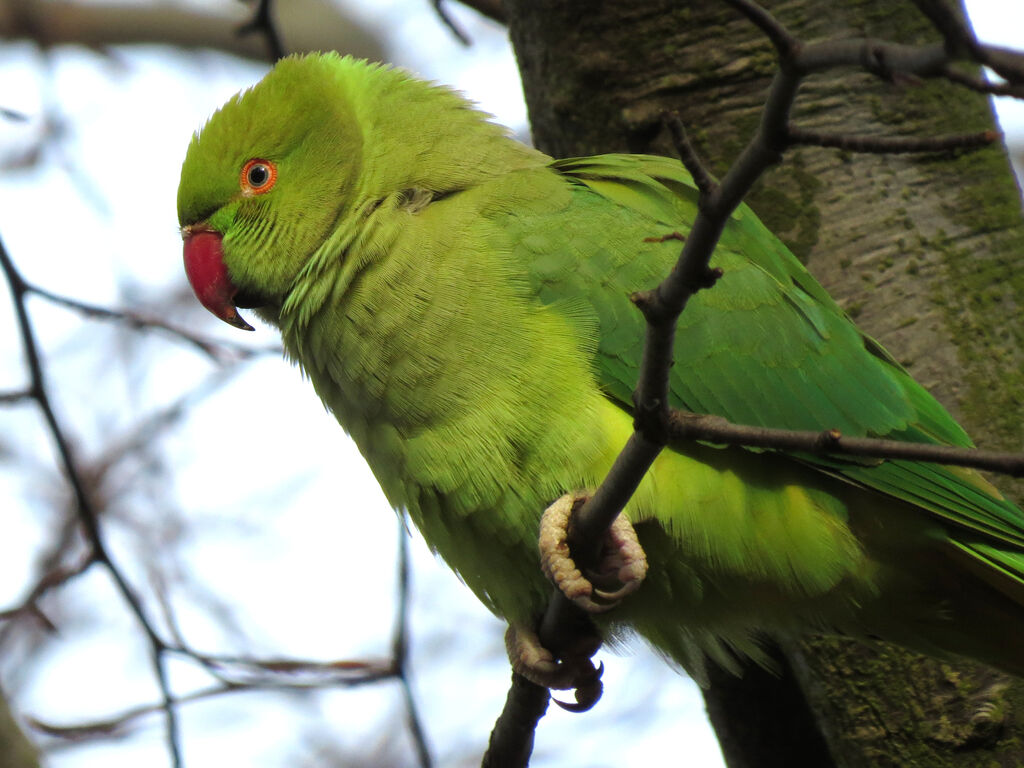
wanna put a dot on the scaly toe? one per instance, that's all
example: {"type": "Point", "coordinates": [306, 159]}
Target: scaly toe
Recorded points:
{"type": "Point", "coordinates": [537, 664]}
{"type": "Point", "coordinates": [621, 571]}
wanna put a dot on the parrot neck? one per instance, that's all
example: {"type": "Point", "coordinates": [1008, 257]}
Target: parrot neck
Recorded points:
{"type": "Point", "coordinates": [418, 135]}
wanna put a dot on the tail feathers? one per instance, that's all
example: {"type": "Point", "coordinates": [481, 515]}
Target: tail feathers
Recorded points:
{"type": "Point", "coordinates": [986, 607]}
{"type": "Point", "coordinates": [969, 604]}
{"type": "Point", "coordinates": [972, 607]}
{"type": "Point", "coordinates": [691, 651]}
{"type": "Point", "coordinates": [1001, 569]}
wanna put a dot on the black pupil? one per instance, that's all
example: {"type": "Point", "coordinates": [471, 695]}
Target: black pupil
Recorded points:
{"type": "Point", "coordinates": [258, 175]}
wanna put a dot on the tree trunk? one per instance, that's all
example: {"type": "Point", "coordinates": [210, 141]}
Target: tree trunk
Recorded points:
{"type": "Point", "coordinates": [16, 751]}
{"type": "Point", "coordinates": [927, 254]}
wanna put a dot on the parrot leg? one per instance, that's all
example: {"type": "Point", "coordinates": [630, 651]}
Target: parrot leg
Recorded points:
{"type": "Point", "coordinates": [623, 563]}
{"type": "Point", "coordinates": [575, 671]}
{"type": "Point", "coordinates": [621, 571]}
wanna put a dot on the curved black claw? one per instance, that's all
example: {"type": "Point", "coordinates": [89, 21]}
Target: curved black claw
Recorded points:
{"type": "Point", "coordinates": [589, 689]}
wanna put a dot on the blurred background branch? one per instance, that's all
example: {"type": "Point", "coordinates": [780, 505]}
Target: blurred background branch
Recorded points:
{"type": "Point", "coordinates": [303, 25]}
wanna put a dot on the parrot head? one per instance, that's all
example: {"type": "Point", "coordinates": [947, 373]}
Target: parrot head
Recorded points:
{"type": "Point", "coordinates": [314, 147]}
{"type": "Point", "coordinates": [262, 184]}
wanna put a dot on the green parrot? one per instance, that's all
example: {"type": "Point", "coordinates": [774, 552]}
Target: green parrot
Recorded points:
{"type": "Point", "coordinates": [461, 304]}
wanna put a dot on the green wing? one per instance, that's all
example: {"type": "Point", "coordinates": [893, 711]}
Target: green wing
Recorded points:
{"type": "Point", "coordinates": [766, 346]}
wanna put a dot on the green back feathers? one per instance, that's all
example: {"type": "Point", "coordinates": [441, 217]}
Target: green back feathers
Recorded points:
{"type": "Point", "coordinates": [765, 346]}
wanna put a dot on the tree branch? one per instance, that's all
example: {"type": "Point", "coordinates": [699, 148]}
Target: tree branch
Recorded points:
{"type": "Point", "coordinates": [400, 650]}
{"type": "Point", "coordinates": [715, 429]}
{"type": "Point", "coordinates": [448, 21]}
{"type": "Point", "coordinates": [262, 23]}
{"type": "Point", "coordinates": [218, 351]}
{"type": "Point", "coordinates": [313, 25]}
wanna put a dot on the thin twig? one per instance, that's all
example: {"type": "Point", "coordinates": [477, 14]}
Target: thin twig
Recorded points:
{"type": "Point", "coordinates": [243, 674]}
{"type": "Point", "coordinates": [262, 23]}
{"type": "Point", "coordinates": [55, 577]}
{"type": "Point", "coordinates": [400, 650]}
{"type": "Point", "coordinates": [11, 114]}
{"type": "Point", "coordinates": [448, 21]}
{"type": "Point", "coordinates": [688, 154]}
{"type": "Point", "coordinates": [117, 724]}
{"type": "Point", "coordinates": [219, 351]}
{"type": "Point", "coordinates": [15, 396]}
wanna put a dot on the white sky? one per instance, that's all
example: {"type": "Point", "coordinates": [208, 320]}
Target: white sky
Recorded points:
{"type": "Point", "coordinates": [309, 568]}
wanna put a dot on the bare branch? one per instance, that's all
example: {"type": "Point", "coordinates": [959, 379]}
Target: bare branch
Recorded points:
{"type": "Point", "coordinates": [511, 741]}
{"type": "Point", "coordinates": [688, 155]}
{"type": "Point", "coordinates": [232, 673]}
{"type": "Point", "coordinates": [86, 513]}
{"type": "Point", "coordinates": [243, 675]}
{"type": "Point", "coordinates": [55, 577]}
{"type": "Point", "coordinates": [119, 724]}
{"type": "Point", "coordinates": [15, 396]}
{"type": "Point", "coordinates": [400, 649]}
{"type": "Point", "coordinates": [448, 21]}
{"type": "Point", "coordinates": [262, 23]}
{"type": "Point", "coordinates": [692, 426]}
{"type": "Point", "coordinates": [13, 115]}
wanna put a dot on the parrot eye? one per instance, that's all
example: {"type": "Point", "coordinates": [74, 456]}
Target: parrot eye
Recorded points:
{"type": "Point", "coordinates": [258, 176]}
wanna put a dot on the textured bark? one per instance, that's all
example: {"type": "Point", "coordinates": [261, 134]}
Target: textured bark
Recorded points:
{"type": "Point", "coordinates": [926, 254]}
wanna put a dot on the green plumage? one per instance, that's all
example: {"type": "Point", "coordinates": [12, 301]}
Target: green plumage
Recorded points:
{"type": "Point", "coordinates": [461, 304]}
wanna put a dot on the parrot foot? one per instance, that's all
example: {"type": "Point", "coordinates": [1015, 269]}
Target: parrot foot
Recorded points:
{"type": "Point", "coordinates": [623, 562]}
{"type": "Point", "coordinates": [574, 671]}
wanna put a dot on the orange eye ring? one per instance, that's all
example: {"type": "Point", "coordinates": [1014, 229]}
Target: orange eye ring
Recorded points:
{"type": "Point", "coordinates": [258, 176]}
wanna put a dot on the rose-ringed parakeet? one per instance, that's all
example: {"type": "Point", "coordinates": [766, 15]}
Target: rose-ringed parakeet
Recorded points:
{"type": "Point", "coordinates": [461, 303]}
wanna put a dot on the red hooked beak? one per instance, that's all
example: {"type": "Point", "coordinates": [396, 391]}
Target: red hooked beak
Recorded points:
{"type": "Point", "coordinates": [204, 265]}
